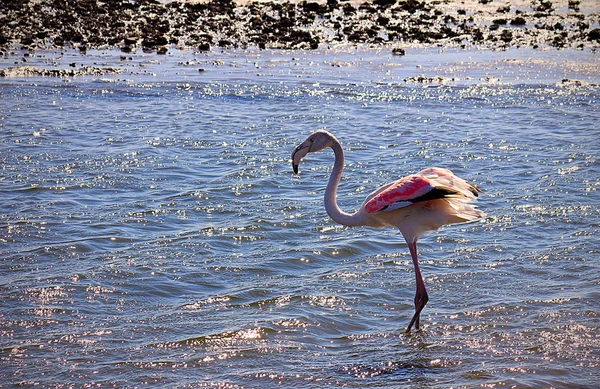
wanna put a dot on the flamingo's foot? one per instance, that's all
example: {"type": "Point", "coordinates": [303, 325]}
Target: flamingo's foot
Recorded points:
{"type": "Point", "coordinates": [421, 299]}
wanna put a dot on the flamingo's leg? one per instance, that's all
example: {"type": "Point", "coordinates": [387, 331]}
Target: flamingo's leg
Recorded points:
{"type": "Point", "coordinates": [421, 297]}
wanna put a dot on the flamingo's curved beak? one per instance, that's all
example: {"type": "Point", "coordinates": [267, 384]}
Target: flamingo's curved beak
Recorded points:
{"type": "Point", "coordinates": [297, 155]}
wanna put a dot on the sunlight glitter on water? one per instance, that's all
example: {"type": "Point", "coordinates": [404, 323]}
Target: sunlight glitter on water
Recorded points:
{"type": "Point", "coordinates": [154, 232]}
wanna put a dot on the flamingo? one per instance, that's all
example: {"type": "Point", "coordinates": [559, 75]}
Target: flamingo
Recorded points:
{"type": "Point", "coordinates": [414, 204]}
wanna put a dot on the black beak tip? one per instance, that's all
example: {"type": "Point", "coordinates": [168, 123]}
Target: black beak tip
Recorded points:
{"type": "Point", "coordinates": [295, 167]}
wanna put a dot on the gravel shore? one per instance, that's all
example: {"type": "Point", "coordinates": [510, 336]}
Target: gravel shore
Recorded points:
{"type": "Point", "coordinates": [152, 25]}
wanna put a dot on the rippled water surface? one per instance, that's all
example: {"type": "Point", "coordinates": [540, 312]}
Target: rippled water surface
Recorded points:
{"type": "Point", "coordinates": [152, 232]}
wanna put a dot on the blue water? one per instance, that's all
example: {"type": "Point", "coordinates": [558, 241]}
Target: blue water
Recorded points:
{"type": "Point", "coordinates": [152, 232]}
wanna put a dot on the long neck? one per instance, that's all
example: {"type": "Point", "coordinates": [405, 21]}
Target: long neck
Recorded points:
{"type": "Point", "coordinates": [331, 206]}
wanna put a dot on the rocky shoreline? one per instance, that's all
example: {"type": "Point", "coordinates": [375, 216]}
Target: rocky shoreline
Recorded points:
{"type": "Point", "coordinates": [155, 26]}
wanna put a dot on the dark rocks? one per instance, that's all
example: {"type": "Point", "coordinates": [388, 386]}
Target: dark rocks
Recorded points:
{"type": "Point", "coordinates": [156, 25]}
{"type": "Point", "coordinates": [130, 41]}
{"type": "Point", "coordinates": [506, 36]}
{"type": "Point", "coordinates": [420, 79]}
{"type": "Point", "coordinates": [518, 21]}
{"type": "Point", "coordinates": [574, 5]}
{"type": "Point", "coordinates": [384, 3]}
{"type": "Point", "coordinates": [204, 46]}
{"type": "Point", "coordinates": [412, 6]}
{"type": "Point", "coordinates": [312, 8]}
{"type": "Point", "coordinates": [32, 71]}
{"type": "Point", "coordinates": [543, 6]}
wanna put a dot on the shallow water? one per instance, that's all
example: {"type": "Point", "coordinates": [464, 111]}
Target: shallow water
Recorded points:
{"type": "Point", "coordinates": [151, 230]}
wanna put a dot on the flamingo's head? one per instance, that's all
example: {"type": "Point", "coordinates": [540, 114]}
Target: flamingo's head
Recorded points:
{"type": "Point", "coordinates": [317, 141]}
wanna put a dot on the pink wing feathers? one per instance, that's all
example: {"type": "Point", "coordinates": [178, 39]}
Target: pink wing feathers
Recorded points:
{"type": "Point", "coordinates": [399, 194]}
{"type": "Point", "coordinates": [428, 184]}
